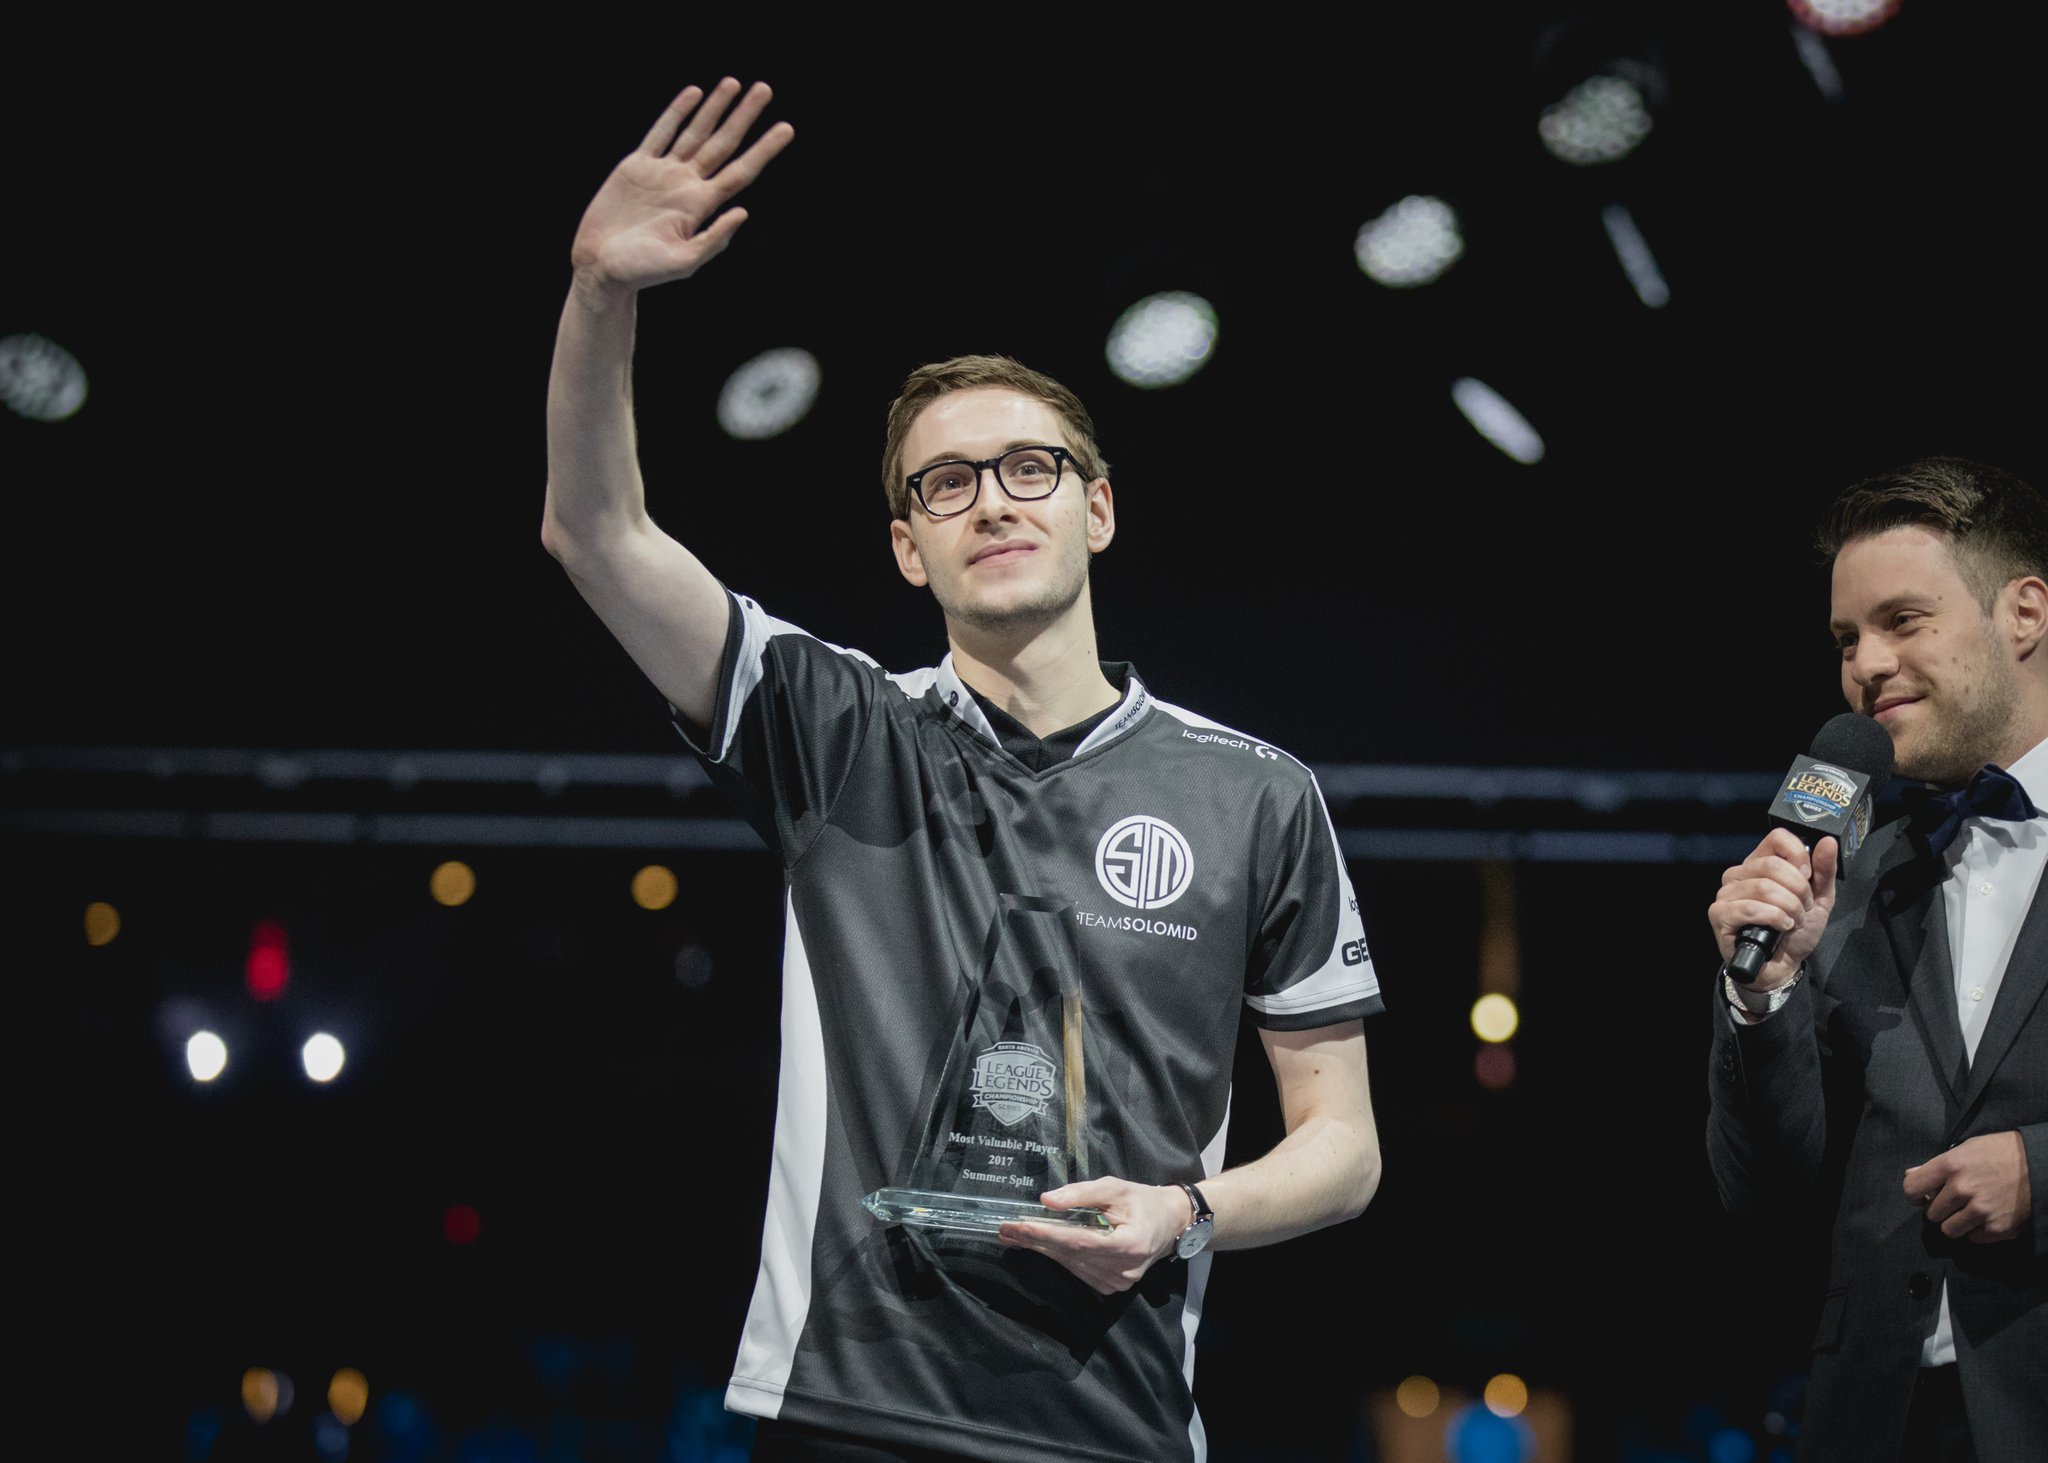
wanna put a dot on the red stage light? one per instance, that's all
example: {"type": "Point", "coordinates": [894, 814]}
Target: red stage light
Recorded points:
{"type": "Point", "coordinates": [462, 1224]}
{"type": "Point", "coordinates": [268, 970]}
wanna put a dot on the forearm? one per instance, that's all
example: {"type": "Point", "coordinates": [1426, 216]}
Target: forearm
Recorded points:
{"type": "Point", "coordinates": [1767, 1116]}
{"type": "Point", "coordinates": [664, 606]}
{"type": "Point", "coordinates": [594, 489]}
{"type": "Point", "coordinates": [1323, 1172]}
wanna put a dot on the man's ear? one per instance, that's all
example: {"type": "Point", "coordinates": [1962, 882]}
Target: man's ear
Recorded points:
{"type": "Point", "coordinates": [2025, 601]}
{"type": "Point", "coordinates": [1101, 515]}
{"type": "Point", "coordinates": [909, 560]}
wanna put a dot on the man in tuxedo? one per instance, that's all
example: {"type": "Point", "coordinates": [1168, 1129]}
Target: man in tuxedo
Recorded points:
{"type": "Point", "coordinates": [1890, 1062]}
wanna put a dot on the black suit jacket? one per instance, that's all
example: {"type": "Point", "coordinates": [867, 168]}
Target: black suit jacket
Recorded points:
{"type": "Point", "coordinates": [1859, 1077]}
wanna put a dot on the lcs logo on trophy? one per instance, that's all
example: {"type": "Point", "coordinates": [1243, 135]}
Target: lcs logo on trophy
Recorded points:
{"type": "Point", "coordinates": [1014, 1081]}
{"type": "Point", "coordinates": [1009, 1111]}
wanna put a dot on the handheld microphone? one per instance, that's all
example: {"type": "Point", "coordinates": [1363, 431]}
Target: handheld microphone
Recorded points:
{"type": "Point", "coordinates": [1827, 794]}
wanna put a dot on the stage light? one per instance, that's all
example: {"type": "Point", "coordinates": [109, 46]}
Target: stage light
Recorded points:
{"type": "Point", "coordinates": [1162, 340]}
{"type": "Point", "coordinates": [323, 1056]}
{"type": "Point", "coordinates": [206, 1055]}
{"type": "Point", "coordinates": [1494, 419]}
{"type": "Point", "coordinates": [330, 1438]}
{"type": "Point", "coordinates": [1412, 243]}
{"type": "Point", "coordinates": [102, 923]}
{"type": "Point", "coordinates": [202, 1431]}
{"type": "Point", "coordinates": [462, 1224]}
{"type": "Point", "coordinates": [1417, 1396]}
{"type": "Point", "coordinates": [1813, 54]}
{"type": "Point", "coordinates": [39, 379]}
{"type": "Point", "coordinates": [348, 1395]}
{"type": "Point", "coordinates": [1494, 1017]}
{"type": "Point", "coordinates": [400, 1416]}
{"type": "Point", "coordinates": [693, 967]}
{"type": "Point", "coordinates": [268, 969]}
{"type": "Point", "coordinates": [1731, 1445]}
{"type": "Point", "coordinates": [452, 883]}
{"type": "Point", "coordinates": [1506, 1395]}
{"type": "Point", "coordinates": [1637, 262]}
{"type": "Point", "coordinates": [769, 394]}
{"type": "Point", "coordinates": [1494, 1067]}
{"type": "Point", "coordinates": [1843, 17]}
{"type": "Point", "coordinates": [1601, 120]}
{"type": "Point", "coordinates": [654, 887]}
{"type": "Point", "coordinates": [266, 1394]}
{"type": "Point", "coordinates": [1476, 1435]}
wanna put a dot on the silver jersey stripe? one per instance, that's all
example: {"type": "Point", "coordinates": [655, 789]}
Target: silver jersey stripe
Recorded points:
{"type": "Point", "coordinates": [757, 628]}
{"type": "Point", "coordinates": [1129, 712]}
{"type": "Point", "coordinates": [959, 700]}
{"type": "Point", "coordinates": [1334, 983]}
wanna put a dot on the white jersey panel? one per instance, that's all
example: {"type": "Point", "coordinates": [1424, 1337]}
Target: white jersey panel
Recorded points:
{"type": "Point", "coordinates": [1198, 1285]}
{"type": "Point", "coordinates": [782, 1288]}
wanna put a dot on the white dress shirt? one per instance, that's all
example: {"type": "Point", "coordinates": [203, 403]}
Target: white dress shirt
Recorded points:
{"type": "Point", "coordinates": [1994, 867]}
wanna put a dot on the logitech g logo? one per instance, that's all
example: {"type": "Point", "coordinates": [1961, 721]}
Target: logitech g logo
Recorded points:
{"type": "Point", "coordinates": [1144, 862]}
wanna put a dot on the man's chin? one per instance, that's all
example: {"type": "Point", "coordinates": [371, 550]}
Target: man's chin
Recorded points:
{"type": "Point", "coordinates": [1013, 617]}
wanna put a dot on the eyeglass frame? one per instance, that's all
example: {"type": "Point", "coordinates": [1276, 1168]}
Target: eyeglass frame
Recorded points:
{"type": "Point", "coordinates": [1061, 456]}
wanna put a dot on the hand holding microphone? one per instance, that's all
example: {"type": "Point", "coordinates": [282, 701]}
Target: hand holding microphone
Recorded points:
{"type": "Point", "coordinates": [1773, 907]}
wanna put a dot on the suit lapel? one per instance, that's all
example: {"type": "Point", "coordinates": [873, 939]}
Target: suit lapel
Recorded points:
{"type": "Point", "coordinates": [1916, 921]}
{"type": "Point", "coordinates": [2019, 991]}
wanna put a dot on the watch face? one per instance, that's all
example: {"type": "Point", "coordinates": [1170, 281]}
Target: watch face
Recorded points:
{"type": "Point", "coordinates": [1193, 1238]}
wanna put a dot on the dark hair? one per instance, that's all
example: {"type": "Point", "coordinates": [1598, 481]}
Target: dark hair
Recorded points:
{"type": "Point", "coordinates": [1997, 525]}
{"type": "Point", "coordinates": [965, 373]}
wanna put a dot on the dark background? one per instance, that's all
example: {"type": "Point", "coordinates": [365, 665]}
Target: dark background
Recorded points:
{"type": "Point", "coordinates": [313, 274]}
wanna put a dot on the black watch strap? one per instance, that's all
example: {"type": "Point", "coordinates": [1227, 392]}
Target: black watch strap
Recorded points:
{"type": "Point", "coordinates": [1195, 1238]}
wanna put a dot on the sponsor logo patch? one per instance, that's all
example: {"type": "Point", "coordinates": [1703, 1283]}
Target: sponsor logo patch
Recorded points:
{"type": "Point", "coordinates": [1144, 863]}
{"type": "Point", "coordinates": [1223, 739]}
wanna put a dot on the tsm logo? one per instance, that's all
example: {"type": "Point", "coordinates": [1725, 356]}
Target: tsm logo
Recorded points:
{"type": "Point", "coordinates": [1144, 863]}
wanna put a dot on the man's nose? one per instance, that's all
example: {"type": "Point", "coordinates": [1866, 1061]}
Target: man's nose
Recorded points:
{"type": "Point", "coordinates": [1871, 660]}
{"type": "Point", "coordinates": [990, 501]}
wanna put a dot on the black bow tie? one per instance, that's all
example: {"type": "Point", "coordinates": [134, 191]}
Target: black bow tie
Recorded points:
{"type": "Point", "coordinates": [1937, 815]}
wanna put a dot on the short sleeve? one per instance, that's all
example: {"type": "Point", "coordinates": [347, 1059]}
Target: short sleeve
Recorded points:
{"type": "Point", "coordinates": [787, 727]}
{"type": "Point", "coordinates": [1309, 965]}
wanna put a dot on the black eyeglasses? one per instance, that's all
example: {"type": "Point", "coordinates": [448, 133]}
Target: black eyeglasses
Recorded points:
{"type": "Point", "coordinates": [1024, 473]}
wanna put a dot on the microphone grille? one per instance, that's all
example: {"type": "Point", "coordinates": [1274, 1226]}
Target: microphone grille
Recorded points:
{"type": "Point", "coordinates": [1854, 741]}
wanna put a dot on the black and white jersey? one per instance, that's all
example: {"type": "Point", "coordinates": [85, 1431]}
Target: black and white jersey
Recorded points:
{"type": "Point", "coordinates": [1189, 873]}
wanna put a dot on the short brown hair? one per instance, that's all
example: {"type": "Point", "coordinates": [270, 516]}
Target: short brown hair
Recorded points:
{"type": "Point", "coordinates": [965, 373]}
{"type": "Point", "coordinates": [1997, 525]}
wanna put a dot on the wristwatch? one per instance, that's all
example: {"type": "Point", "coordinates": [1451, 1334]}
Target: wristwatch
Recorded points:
{"type": "Point", "coordinates": [1199, 1228]}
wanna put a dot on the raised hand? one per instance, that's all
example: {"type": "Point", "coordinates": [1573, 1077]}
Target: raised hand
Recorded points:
{"type": "Point", "coordinates": [653, 220]}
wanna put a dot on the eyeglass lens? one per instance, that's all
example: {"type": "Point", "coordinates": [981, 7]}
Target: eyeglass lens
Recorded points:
{"type": "Point", "coordinates": [1026, 473]}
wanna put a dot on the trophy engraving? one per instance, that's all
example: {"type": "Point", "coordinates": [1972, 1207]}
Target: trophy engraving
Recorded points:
{"type": "Point", "coordinates": [1009, 1116]}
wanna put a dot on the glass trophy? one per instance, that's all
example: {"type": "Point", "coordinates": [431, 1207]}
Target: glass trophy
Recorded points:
{"type": "Point", "coordinates": [1008, 1117]}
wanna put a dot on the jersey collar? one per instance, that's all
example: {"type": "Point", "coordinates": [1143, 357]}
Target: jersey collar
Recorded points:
{"type": "Point", "coordinates": [957, 699]}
